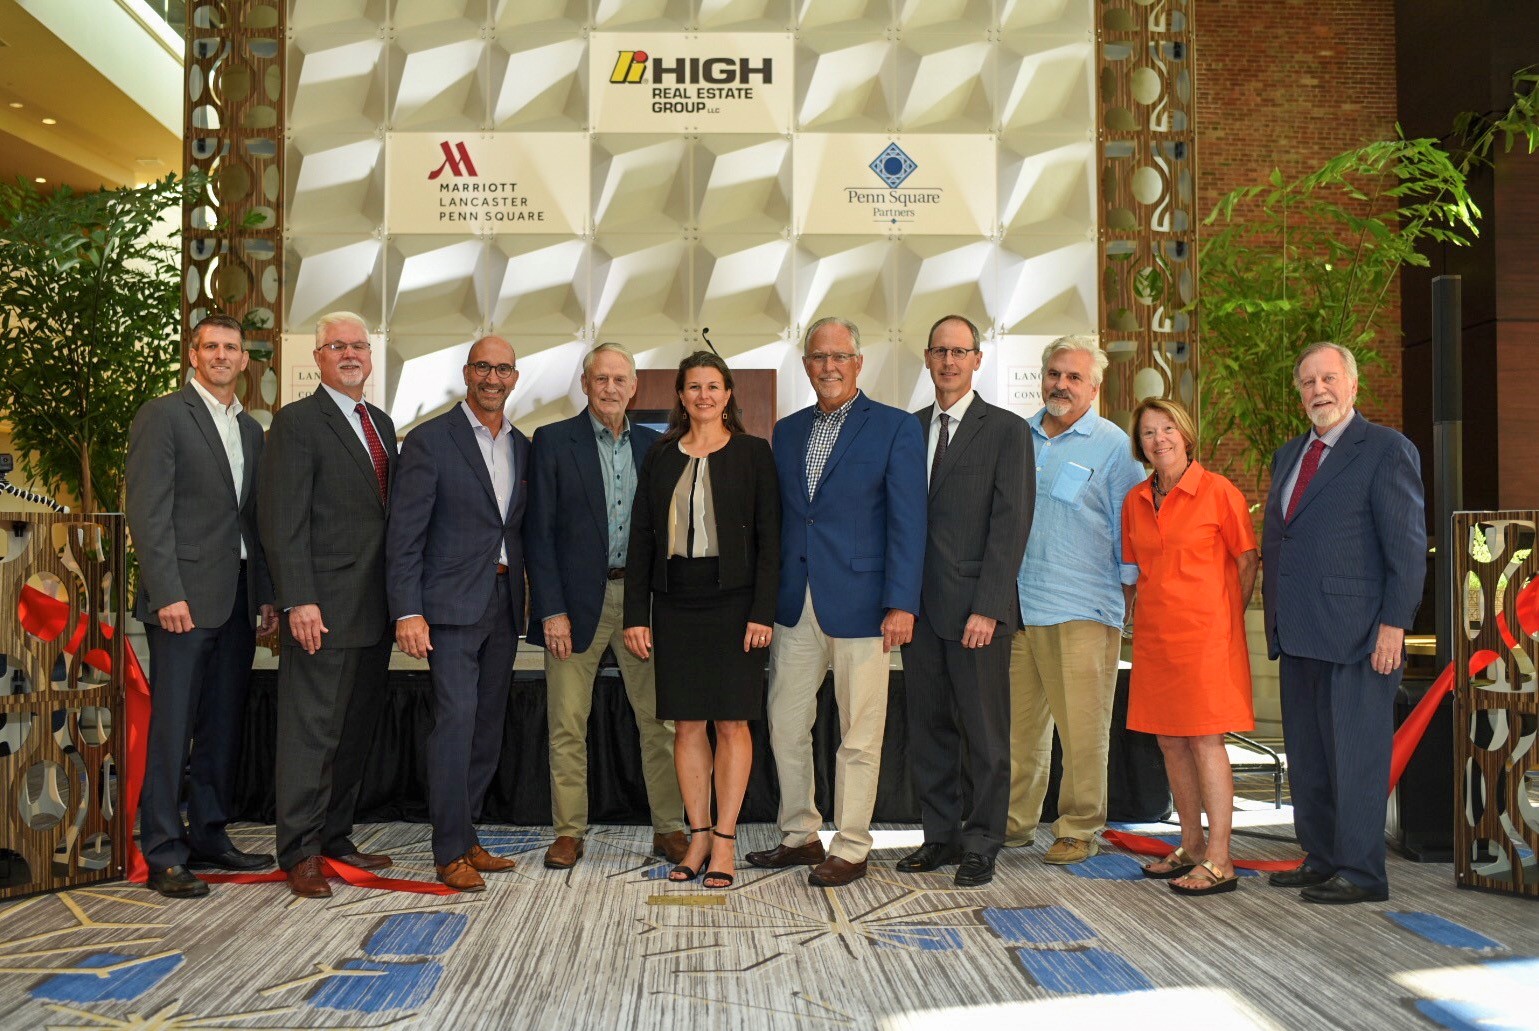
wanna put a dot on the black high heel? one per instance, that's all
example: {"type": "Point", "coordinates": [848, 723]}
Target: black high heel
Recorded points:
{"type": "Point", "coordinates": [717, 874]}
{"type": "Point", "coordinates": [688, 871]}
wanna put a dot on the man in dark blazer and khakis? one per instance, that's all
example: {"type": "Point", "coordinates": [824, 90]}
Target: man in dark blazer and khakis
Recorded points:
{"type": "Point", "coordinates": [455, 574]}
{"type": "Point", "coordinates": [325, 481]}
{"type": "Point", "coordinates": [957, 667]}
{"type": "Point", "coordinates": [1344, 556]}
{"type": "Point", "coordinates": [203, 589]}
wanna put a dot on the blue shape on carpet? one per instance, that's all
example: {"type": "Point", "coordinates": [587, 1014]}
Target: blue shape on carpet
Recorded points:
{"type": "Point", "coordinates": [400, 986]}
{"type": "Point", "coordinates": [118, 986]}
{"type": "Point", "coordinates": [1475, 1016]}
{"type": "Point", "coordinates": [416, 934]}
{"type": "Point", "coordinates": [1081, 971]}
{"type": "Point", "coordinates": [658, 873]}
{"type": "Point", "coordinates": [1109, 866]}
{"type": "Point", "coordinates": [1037, 925]}
{"type": "Point", "coordinates": [929, 939]}
{"type": "Point", "coordinates": [516, 841]}
{"type": "Point", "coordinates": [1444, 932]}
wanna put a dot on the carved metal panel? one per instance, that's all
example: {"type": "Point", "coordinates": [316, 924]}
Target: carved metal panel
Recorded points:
{"type": "Point", "coordinates": [1146, 151]}
{"type": "Point", "coordinates": [232, 235]}
{"type": "Point", "coordinates": [62, 732]}
{"type": "Point", "coordinates": [1496, 711]}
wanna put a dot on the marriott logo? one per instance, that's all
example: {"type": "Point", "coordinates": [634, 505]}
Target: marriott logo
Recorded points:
{"type": "Point", "coordinates": [456, 161]}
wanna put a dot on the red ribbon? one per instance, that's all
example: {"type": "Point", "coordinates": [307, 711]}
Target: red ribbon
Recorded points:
{"type": "Point", "coordinates": [333, 868]}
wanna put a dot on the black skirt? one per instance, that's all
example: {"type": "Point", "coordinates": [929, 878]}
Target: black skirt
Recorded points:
{"type": "Point", "coordinates": [697, 633]}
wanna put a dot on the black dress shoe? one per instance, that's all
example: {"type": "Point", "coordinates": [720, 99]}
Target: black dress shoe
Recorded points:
{"type": "Point", "coordinates": [234, 859]}
{"type": "Point", "coordinates": [976, 869]}
{"type": "Point", "coordinates": [929, 856]}
{"type": "Point", "coordinates": [1299, 877]}
{"type": "Point", "coordinates": [177, 883]}
{"type": "Point", "coordinates": [1338, 891]}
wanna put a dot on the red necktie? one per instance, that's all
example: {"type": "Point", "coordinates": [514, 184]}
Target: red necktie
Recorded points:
{"type": "Point", "coordinates": [377, 451]}
{"type": "Point", "coordinates": [1306, 473]}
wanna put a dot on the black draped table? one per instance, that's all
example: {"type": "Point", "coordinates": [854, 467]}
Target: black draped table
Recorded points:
{"type": "Point", "coordinates": [395, 784]}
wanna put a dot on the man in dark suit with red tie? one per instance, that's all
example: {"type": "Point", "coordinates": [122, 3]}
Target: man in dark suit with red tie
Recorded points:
{"type": "Point", "coordinates": [325, 482]}
{"type": "Point", "coordinates": [1344, 554]}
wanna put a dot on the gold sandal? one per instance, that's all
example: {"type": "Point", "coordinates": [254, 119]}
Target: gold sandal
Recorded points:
{"type": "Point", "coordinates": [1181, 857]}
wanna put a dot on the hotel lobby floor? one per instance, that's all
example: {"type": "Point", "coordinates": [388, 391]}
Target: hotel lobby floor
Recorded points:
{"type": "Point", "coordinates": [612, 944]}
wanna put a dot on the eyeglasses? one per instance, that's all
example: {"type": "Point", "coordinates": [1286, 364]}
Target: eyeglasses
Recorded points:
{"type": "Point", "coordinates": [485, 369]}
{"type": "Point", "coordinates": [338, 346]}
{"type": "Point", "coordinates": [834, 358]}
{"type": "Point", "coordinates": [940, 354]}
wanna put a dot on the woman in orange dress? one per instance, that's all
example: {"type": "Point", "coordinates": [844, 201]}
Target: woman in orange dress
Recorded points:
{"type": "Point", "coordinates": [1189, 531]}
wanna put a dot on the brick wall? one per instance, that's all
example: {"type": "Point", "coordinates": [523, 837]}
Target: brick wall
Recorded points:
{"type": "Point", "coordinates": [1287, 84]}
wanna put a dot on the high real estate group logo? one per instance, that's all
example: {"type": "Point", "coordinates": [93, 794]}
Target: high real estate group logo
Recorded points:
{"type": "Point", "coordinates": [692, 85]}
{"type": "Point", "coordinates": [897, 204]}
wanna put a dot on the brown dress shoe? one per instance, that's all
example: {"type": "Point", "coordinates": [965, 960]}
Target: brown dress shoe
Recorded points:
{"type": "Point", "coordinates": [485, 862]}
{"type": "Point", "coordinates": [781, 856]}
{"type": "Point", "coordinates": [563, 853]}
{"type": "Point", "coordinates": [833, 872]}
{"type": "Point", "coordinates": [461, 876]}
{"type": "Point", "coordinates": [363, 860]}
{"type": "Point", "coordinates": [307, 881]}
{"type": "Point", "coordinates": [671, 846]}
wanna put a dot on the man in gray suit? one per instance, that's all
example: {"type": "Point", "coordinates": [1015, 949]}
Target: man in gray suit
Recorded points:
{"type": "Point", "coordinates": [325, 480]}
{"type": "Point", "coordinates": [192, 500]}
{"type": "Point", "coordinates": [957, 667]}
{"type": "Point", "coordinates": [1344, 550]}
{"type": "Point", "coordinates": [455, 574]}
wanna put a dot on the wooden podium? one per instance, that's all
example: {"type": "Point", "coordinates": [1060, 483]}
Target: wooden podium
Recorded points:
{"type": "Point", "coordinates": [755, 393]}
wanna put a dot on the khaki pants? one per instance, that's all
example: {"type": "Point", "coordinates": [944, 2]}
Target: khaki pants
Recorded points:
{"type": "Point", "coordinates": [799, 658]}
{"type": "Point", "coordinates": [1065, 675]}
{"type": "Point", "coordinates": [569, 699]}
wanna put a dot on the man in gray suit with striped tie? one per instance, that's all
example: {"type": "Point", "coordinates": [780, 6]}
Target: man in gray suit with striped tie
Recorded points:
{"type": "Point", "coordinates": [1344, 554]}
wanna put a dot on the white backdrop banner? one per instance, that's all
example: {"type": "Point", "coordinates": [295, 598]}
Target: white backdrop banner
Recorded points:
{"type": "Point", "coordinates": [486, 183]}
{"type": "Point", "coordinates": [302, 377]}
{"type": "Point", "coordinates": [670, 82]}
{"type": "Point", "coordinates": [938, 184]}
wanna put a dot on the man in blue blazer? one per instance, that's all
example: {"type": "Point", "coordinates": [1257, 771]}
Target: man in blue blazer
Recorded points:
{"type": "Point", "coordinates": [455, 579]}
{"type": "Point", "coordinates": [853, 497]}
{"type": "Point", "coordinates": [577, 535]}
{"type": "Point", "coordinates": [1344, 550]}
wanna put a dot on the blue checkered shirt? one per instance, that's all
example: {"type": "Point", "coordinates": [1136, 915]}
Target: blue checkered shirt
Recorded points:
{"type": "Point", "coordinates": [820, 443]}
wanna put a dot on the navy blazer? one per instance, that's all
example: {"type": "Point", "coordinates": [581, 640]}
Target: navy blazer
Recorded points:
{"type": "Point", "coordinates": [860, 541]}
{"type": "Point", "coordinates": [445, 529]}
{"type": "Point", "coordinates": [1354, 555]}
{"type": "Point", "coordinates": [566, 529]}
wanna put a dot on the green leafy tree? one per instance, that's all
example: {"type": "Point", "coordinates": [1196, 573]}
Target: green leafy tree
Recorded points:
{"type": "Point", "coordinates": [90, 313]}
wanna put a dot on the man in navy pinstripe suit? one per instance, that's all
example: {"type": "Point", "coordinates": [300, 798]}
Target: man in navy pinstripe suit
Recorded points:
{"type": "Point", "coordinates": [1344, 553]}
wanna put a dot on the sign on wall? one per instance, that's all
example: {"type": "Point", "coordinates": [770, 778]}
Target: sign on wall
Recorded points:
{"type": "Point", "coordinates": [670, 82]}
{"type": "Point", "coordinates": [486, 183]}
{"type": "Point", "coordinates": [929, 184]}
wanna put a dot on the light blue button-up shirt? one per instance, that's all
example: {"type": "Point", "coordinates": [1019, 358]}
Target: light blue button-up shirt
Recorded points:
{"type": "Point", "coordinates": [618, 465]}
{"type": "Point", "coordinates": [1073, 567]}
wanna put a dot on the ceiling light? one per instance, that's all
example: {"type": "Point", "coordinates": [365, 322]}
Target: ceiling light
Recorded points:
{"type": "Point", "coordinates": [50, 121]}
{"type": "Point", "coordinates": [40, 179]}
{"type": "Point", "coordinates": [16, 103]}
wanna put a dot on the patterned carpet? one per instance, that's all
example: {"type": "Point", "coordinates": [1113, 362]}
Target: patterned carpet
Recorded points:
{"type": "Point", "coordinates": [611, 944]}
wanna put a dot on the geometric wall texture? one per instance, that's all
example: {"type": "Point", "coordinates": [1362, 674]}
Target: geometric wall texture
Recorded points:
{"type": "Point", "coordinates": [690, 230]}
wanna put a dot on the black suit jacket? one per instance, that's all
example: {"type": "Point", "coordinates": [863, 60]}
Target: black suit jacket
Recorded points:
{"type": "Point", "coordinates": [323, 520]}
{"type": "Point", "coordinates": [566, 529]}
{"type": "Point", "coordinates": [982, 498]}
{"type": "Point", "coordinates": [445, 529]}
{"type": "Point", "coordinates": [747, 496]}
{"type": "Point", "coordinates": [186, 517]}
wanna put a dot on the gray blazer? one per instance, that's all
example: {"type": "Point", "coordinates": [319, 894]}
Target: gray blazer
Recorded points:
{"type": "Point", "coordinates": [981, 502]}
{"type": "Point", "coordinates": [185, 515]}
{"type": "Point", "coordinates": [323, 521]}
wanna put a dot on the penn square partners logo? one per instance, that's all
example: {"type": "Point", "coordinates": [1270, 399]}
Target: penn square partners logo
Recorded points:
{"type": "Point", "coordinates": [894, 206]}
{"type": "Point", "coordinates": [689, 85]}
{"type": "Point", "coordinates": [466, 197]}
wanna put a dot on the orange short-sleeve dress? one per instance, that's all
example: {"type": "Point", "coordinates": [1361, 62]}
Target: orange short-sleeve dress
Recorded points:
{"type": "Point", "coordinates": [1191, 667]}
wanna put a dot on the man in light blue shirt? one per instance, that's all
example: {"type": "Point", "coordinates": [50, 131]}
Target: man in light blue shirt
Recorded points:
{"type": "Point", "coordinates": [1073, 589]}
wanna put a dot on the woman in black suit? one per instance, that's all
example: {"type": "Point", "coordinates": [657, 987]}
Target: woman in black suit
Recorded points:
{"type": "Point", "coordinates": [700, 585]}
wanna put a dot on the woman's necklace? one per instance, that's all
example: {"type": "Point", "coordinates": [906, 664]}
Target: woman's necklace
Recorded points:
{"type": "Point", "coordinates": [1160, 492]}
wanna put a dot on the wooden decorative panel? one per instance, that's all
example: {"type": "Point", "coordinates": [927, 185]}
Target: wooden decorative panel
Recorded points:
{"type": "Point", "coordinates": [232, 235]}
{"type": "Point", "coordinates": [62, 729]}
{"type": "Point", "coordinates": [1148, 191]}
{"type": "Point", "coordinates": [1496, 711]}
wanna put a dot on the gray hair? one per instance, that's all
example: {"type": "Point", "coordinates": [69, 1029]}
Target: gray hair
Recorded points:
{"type": "Point", "coordinates": [619, 349]}
{"type": "Point", "coordinates": [1347, 358]}
{"type": "Point", "coordinates": [963, 319]}
{"type": "Point", "coordinates": [1087, 342]}
{"type": "Point", "coordinates": [832, 320]}
{"type": "Point", "coordinates": [325, 322]}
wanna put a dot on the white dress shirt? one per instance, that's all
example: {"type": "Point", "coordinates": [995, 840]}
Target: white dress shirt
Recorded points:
{"type": "Point", "coordinates": [955, 412]}
{"type": "Point", "coordinates": [228, 425]}
{"type": "Point", "coordinates": [498, 456]}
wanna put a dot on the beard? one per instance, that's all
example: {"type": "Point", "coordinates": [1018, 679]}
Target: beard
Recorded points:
{"type": "Point", "coordinates": [1056, 408]}
{"type": "Point", "coordinates": [1323, 417]}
